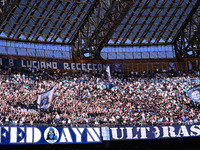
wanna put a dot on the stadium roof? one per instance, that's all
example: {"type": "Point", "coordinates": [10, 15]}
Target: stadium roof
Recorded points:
{"type": "Point", "coordinates": [141, 22]}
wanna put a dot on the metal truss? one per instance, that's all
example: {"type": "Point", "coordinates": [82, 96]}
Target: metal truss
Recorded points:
{"type": "Point", "coordinates": [89, 25]}
{"type": "Point", "coordinates": [102, 21]}
{"type": "Point", "coordinates": [187, 40]}
{"type": "Point", "coordinates": [6, 6]}
{"type": "Point", "coordinates": [48, 21]}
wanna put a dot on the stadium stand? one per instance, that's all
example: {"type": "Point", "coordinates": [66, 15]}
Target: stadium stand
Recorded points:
{"type": "Point", "coordinates": [107, 73]}
{"type": "Point", "coordinates": [80, 99]}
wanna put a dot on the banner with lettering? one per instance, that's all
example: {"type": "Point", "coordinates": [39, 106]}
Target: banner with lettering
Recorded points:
{"type": "Point", "coordinates": [151, 132]}
{"type": "Point", "coordinates": [49, 135]}
{"type": "Point", "coordinates": [51, 65]}
{"type": "Point", "coordinates": [76, 135]}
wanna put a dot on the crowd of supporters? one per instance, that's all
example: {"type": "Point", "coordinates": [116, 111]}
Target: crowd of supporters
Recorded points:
{"type": "Point", "coordinates": [85, 99]}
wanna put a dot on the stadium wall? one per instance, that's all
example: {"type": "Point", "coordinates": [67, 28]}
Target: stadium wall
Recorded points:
{"type": "Point", "coordinates": [182, 137]}
{"type": "Point", "coordinates": [127, 66]}
{"type": "Point", "coordinates": [13, 135]}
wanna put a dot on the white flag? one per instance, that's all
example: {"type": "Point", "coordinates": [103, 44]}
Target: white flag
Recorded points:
{"type": "Point", "coordinates": [108, 73]}
{"type": "Point", "coordinates": [44, 99]}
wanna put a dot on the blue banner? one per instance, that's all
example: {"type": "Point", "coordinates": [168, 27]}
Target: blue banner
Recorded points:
{"type": "Point", "coordinates": [172, 66]}
{"type": "Point", "coordinates": [152, 132]}
{"type": "Point", "coordinates": [51, 65]}
{"type": "Point", "coordinates": [118, 67]}
{"type": "Point", "coordinates": [78, 135]}
{"type": "Point", "coordinates": [194, 93]}
{"type": "Point", "coordinates": [49, 135]}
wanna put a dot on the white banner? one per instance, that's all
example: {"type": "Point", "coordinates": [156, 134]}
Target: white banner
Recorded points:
{"type": "Point", "coordinates": [44, 99]}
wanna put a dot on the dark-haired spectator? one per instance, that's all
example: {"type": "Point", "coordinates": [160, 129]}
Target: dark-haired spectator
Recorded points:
{"type": "Point", "coordinates": [83, 98]}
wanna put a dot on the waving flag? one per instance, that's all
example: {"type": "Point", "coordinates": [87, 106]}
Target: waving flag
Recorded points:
{"type": "Point", "coordinates": [108, 73]}
{"type": "Point", "coordinates": [44, 99]}
{"type": "Point", "coordinates": [194, 93]}
{"type": "Point", "coordinates": [109, 85]}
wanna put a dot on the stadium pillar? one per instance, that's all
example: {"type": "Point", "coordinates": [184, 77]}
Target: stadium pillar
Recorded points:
{"type": "Point", "coordinates": [88, 45]}
{"type": "Point", "coordinates": [187, 40]}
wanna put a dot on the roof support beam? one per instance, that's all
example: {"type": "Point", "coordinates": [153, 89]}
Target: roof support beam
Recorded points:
{"type": "Point", "coordinates": [7, 8]}
{"type": "Point", "coordinates": [168, 22]}
{"type": "Point", "coordinates": [33, 28]}
{"type": "Point", "coordinates": [194, 9]}
{"type": "Point", "coordinates": [144, 22]}
{"type": "Point", "coordinates": [154, 33]}
{"type": "Point", "coordinates": [93, 42]}
{"type": "Point", "coordinates": [133, 12]}
{"type": "Point", "coordinates": [152, 22]}
{"type": "Point", "coordinates": [138, 44]}
{"type": "Point", "coordinates": [30, 41]}
{"type": "Point", "coordinates": [56, 22]}
{"type": "Point", "coordinates": [73, 25]}
{"type": "Point", "coordinates": [187, 43]}
{"type": "Point", "coordinates": [27, 21]}
{"type": "Point", "coordinates": [48, 14]}
{"type": "Point", "coordinates": [178, 21]}
{"type": "Point", "coordinates": [14, 26]}
{"type": "Point", "coordinates": [135, 22]}
{"type": "Point", "coordinates": [90, 25]}
{"type": "Point", "coordinates": [84, 20]}
{"type": "Point", "coordinates": [56, 4]}
{"type": "Point", "coordinates": [67, 16]}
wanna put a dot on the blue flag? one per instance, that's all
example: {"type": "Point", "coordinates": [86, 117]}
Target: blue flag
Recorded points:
{"type": "Point", "coordinates": [194, 93]}
{"type": "Point", "coordinates": [118, 67]}
{"type": "Point", "coordinates": [109, 85]}
{"type": "Point", "coordinates": [172, 66]}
